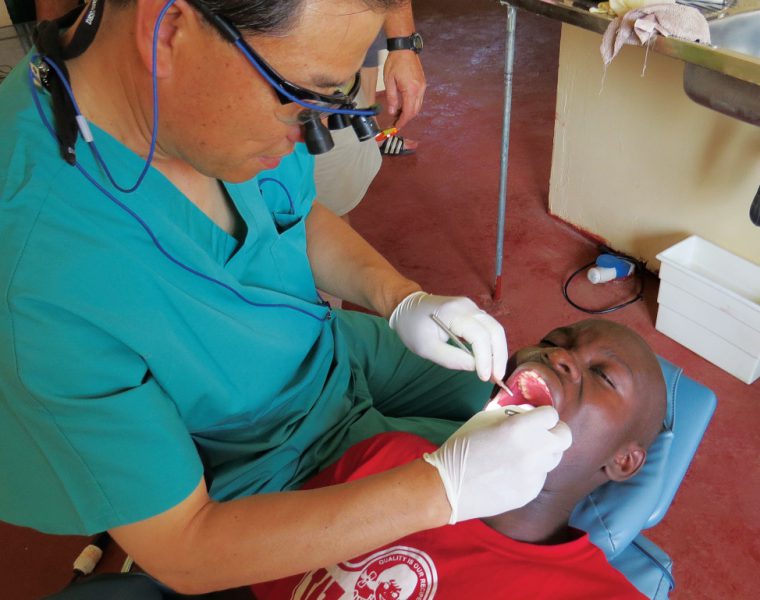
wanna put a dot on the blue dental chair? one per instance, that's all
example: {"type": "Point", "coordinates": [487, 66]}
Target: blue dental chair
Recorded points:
{"type": "Point", "coordinates": [614, 514]}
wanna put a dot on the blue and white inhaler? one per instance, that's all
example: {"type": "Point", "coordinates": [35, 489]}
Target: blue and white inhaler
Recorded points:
{"type": "Point", "coordinates": [609, 267]}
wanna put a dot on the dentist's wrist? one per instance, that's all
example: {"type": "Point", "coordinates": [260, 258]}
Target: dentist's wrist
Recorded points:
{"type": "Point", "coordinates": [434, 503]}
{"type": "Point", "coordinates": [392, 298]}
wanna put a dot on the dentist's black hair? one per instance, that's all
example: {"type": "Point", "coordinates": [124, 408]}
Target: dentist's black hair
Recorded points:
{"type": "Point", "coordinates": [266, 16]}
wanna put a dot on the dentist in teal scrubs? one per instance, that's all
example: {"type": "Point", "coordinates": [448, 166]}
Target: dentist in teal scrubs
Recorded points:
{"type": "Point", "coordinates": [168, 371]}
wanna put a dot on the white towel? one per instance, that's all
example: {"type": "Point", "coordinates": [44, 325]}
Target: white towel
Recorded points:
{"type": "Point", "coordinates": [639, 26]}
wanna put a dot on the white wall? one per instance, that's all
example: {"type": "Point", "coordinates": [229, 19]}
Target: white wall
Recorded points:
{"type": "Point", "coordinates": [642, 166]}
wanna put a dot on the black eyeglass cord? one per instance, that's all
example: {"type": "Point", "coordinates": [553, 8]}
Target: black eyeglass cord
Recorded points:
{"type": "Point", "coordinates": [639, 269]}
{"type": "Point", "coordinates": [47, 39]}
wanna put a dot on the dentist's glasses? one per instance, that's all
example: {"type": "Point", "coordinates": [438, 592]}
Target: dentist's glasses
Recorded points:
{"type": "Point", "coordinates": [339, 106]}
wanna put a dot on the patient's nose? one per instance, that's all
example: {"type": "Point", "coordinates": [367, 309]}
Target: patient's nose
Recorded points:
{"type": "Point", "coordinates": [563, 362]}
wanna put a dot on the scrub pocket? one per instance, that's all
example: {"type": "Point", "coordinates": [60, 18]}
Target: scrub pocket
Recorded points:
{"type": "Point", "coordinates": [284, 221]}
{"type": "Point", "coordinates": [290, 259]}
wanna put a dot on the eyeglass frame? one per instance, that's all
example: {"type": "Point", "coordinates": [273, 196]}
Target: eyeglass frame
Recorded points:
{"type": "Point", "coordinates": [287, 91]}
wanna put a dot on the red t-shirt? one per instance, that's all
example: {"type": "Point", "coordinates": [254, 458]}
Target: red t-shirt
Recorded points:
{"type": "Point", "coordinates": [456, 562]}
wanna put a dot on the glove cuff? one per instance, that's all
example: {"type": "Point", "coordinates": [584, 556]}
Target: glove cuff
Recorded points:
{"type": "Point", "coordinates": [432, 458]}
{"type": "Point", "coordinates": [395, 315]}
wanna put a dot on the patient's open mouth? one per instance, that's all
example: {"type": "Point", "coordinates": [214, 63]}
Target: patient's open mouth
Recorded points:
{"type": "Point", "coordinates": [528, 387]}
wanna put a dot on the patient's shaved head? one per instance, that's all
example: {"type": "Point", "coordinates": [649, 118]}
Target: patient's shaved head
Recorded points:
{"type": "Point", "coordinates": [607, 385]}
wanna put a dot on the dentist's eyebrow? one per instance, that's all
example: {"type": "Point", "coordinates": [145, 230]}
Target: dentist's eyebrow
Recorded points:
{"type": "Point", "coordinates": [320, 82]}
{"type": "Point", "coordinates": [329, 81]}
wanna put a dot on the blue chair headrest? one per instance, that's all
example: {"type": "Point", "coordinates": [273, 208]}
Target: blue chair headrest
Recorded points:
{"type": "Point", "coordinates": [616, 512]}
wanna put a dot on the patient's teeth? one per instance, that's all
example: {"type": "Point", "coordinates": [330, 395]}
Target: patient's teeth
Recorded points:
{"type": "Point", "coordinates": [527, 381]}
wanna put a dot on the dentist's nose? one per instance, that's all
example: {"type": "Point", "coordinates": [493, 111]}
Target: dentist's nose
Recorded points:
{"type": "Point", "coordinates": [295, 134]}
{"type": "Point", "coordinates": [290, 117]}
{"type": "Point", "coordinates": [563, 362]}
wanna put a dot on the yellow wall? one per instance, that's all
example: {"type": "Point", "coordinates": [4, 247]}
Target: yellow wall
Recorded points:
{"type": "Point", "coordinates": [5, 18]}
{"type": "Point", "coordinates": [639, 164]}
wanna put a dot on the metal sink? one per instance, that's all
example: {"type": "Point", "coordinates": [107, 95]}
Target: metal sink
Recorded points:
{"type": "Point", "coordinates": [729, 95]}
{"type": "Point", "coordinates": [738, 33]}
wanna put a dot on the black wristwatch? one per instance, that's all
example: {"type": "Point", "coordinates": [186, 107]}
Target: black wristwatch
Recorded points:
{"type": "Point", "coordinates": [413, 43]}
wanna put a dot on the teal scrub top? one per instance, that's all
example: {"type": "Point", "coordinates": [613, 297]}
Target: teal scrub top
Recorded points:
{"type": "Point", "coordinates": [124, 376]}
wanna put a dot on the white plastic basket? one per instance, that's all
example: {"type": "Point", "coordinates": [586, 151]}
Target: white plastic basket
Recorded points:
{"type": "Point", "coordinates": [709, 301]}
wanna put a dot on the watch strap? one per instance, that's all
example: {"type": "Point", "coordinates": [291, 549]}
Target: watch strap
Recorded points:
{"type": "Point", "coordinates": [412, 42]}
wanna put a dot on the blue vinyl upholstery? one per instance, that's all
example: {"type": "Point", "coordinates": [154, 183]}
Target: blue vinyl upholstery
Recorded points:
{"type": "Point", "coordinates": [118, 586]}
{"type": "Point", "coordinates": [647, 567]}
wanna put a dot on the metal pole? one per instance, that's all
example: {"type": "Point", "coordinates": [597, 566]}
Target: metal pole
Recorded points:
{"type": "Point", "coordinates": [509, 61]}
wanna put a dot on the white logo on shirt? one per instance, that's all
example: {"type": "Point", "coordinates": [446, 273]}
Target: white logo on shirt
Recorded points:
{"type": "Point", "coordinates": [396, 573]}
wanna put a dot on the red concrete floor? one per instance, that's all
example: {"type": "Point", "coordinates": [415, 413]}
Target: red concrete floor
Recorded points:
{"type": "Point", "coordinates": [433, 215]}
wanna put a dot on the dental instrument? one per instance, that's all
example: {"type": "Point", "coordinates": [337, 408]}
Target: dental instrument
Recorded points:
{"type": "Point", "coordinates": [459, 343]}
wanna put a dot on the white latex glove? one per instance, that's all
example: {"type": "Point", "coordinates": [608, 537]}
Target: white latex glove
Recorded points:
{"type": "Point", "coordinates": [495, 463]}
{"type": "Point", "coordinates": [411, 320]}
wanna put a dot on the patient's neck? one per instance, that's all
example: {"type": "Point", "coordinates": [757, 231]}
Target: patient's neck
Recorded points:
{"type": "Point", "coordinates": [542, 521]}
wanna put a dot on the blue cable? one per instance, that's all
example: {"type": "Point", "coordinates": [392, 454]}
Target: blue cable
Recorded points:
{"type": "Point", "coordinates": [127, 209]}
{"type": "Point", "coordinates": [153, 134]}
{"type": "Point", "coordinates": [284, 189]}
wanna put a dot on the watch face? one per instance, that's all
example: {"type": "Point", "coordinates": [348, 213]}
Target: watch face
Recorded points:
{"type": "Point", "coordinates": [416, 40]}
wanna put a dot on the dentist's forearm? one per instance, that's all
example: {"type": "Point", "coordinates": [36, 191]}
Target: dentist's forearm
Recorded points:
{"type": "Point", "coordinates": [399, 22]}
{"type": "Point", "coordinates": [201, 546]}
{"type": "Point", "coordinates": [346, 265]}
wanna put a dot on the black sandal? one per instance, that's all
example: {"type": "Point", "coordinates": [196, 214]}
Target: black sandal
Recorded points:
{"type": "Point", "coordinates": [393, 145]}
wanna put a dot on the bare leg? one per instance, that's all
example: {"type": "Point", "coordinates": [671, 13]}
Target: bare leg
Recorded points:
{"type": "Point", "coordinates": [369, 84]}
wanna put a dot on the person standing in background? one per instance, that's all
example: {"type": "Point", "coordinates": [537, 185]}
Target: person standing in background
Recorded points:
{"type": "Point", "coordinates": [343, 175]}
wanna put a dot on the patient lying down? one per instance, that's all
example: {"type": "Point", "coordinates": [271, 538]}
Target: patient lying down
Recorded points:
{"type": "Point", "coordinates": [607, 386]}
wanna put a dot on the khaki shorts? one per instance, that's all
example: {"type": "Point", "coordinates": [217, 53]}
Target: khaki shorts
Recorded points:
{"type": "Point", "coordinates": [343, 174]}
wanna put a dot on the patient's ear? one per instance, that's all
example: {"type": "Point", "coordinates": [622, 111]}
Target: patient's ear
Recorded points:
{"type": "Point", "coordinates": [627, 461]}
